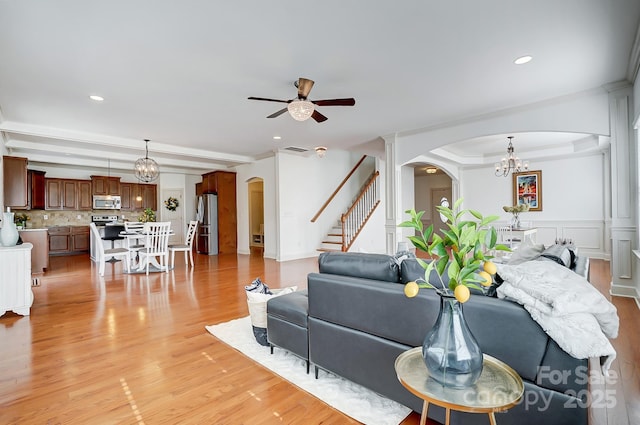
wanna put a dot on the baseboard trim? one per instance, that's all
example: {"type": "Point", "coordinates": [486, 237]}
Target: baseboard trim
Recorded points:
{"type": "Point", "coordinates": [626, 292]}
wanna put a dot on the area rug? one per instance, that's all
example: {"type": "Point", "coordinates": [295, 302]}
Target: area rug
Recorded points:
{"type": "Point", "coordinates": [349, 398]}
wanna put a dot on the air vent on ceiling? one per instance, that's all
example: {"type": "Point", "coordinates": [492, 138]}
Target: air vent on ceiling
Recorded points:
{"type": "Point", "coordinates": [295, 149]}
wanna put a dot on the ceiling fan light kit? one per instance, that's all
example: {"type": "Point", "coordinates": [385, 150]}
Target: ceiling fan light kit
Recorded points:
{"type": "Point", "coordinates": [300, 110]}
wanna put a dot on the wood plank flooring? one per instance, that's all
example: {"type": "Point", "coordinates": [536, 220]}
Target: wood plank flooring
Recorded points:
{"type": "Point", "coordinates": [132, 349]}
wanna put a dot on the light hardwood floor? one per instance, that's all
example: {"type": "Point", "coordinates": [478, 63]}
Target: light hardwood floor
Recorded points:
{"type": "Point", "coordinates": [132, 349]}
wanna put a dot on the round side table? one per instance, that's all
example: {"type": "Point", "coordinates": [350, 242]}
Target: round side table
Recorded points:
{"type": "Point", "coordinates": [498, 388]}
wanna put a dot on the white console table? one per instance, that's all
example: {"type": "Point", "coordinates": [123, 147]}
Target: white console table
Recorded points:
{"type": "Point", "coordinates": [15, 279]}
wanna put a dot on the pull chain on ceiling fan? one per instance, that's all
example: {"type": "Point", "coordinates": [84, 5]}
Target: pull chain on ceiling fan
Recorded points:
{"type": "Point", "coordinates": [302, 108]}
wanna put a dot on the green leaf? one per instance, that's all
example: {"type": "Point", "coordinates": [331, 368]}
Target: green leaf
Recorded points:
{"type": "Point", "coordinates": [476, 214]}
{"type": "Point", "coordinates": [457, 204]}
{"type": "Point", "coordinates": [438, 249]}
{"type": "Point", "coordinates": [419, 243]}
{"type": "Point", "coordinates": [441, 265]}
{"type": "Point", "coordinates": [423, 263]}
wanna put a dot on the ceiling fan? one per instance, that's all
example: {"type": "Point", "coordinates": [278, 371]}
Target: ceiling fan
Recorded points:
{"type": "Point", "coordinates": [302, 108]}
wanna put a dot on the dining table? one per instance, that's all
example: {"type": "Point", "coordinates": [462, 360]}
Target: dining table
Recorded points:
{"type": "Point", "coordinates": [133, 237]}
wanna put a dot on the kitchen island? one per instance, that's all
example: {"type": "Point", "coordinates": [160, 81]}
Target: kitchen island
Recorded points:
{"type": "Point", "coordinates": [39, 238]}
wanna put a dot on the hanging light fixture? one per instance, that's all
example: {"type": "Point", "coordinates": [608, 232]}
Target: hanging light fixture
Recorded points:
{"type": "Point", "coordinates": [300, 109]}
{"type": "Point", "coordinates": [511, 163]}
{"type": "Point", "coordinates": [146, 169]}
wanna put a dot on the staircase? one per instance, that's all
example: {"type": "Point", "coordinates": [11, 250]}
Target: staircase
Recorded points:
{"type": "Point", "coordinates": [344, 233]}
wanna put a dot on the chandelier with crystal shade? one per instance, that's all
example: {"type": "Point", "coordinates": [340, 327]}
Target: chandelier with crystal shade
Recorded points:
{"type": "Point", "coordinates": [300, 109]}
{"type": "Point", "coordinates": [146, 169]}
{"type": "Point", "coordinates": [511, 163]}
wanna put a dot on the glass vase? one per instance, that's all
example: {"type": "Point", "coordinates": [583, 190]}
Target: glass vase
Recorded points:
{"type": "Point", "coordinates": [9, 232]}
{"type": "Point", "coordinates": [450, 351]}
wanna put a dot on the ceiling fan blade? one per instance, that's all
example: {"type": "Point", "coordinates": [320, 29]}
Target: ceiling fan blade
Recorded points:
{"type": "Point", "coordinates": [304, 87]}
{"type": "Point", "coordinates": [335, 102]}
{"type": "Point", "coordinates": [318, 116]}
{"type": "Point", "coordinates": [269, 100]}
{"type": "Point", "coordinates": [277, 114]}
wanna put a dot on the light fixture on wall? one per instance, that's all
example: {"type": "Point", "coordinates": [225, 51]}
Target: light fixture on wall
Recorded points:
{"type": "Point", "coordinates": [511, 163]}
{"type": "Point", "coordinates": [146, 169]}
{"type": "Point", "coordinates": [300, 109]}
{"type": "Point", "coordinates": [431, 170]}
{"type": "Point", "coordinates": [320, 151]}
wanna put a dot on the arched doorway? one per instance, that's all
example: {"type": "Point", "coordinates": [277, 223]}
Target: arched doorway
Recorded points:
{"type": "Point", "coordinates": [256, 214]}
{"type": "Point", "coordinates": [431, 185]}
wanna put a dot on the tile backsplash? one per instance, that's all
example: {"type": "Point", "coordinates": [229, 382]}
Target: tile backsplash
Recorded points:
{"type": "Point", "coordinates": [71, 218]}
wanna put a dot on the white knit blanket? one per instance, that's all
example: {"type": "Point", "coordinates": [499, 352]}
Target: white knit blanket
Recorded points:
{"type": "Point", "coordinates": [569, 309]}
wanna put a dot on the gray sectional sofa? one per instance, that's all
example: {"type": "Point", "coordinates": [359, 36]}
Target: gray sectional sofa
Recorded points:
{"type": "Point", "coordinates": [359, 321]}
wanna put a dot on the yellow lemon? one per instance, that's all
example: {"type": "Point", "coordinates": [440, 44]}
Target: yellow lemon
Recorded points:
{"type": "Point", "coordinates": [490, 267]}
{"type": "Point", "coordinates": [411, 289]}
{"type": "Point", "coordinates": [462, 293]}
{"type": "Point", "coordinates": [487, 278]}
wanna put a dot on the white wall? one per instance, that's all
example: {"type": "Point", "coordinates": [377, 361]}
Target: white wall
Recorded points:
{"type": "Point", "coordinates": [573, 199]}
{"type": "Point", "coordinates": [266, 170]}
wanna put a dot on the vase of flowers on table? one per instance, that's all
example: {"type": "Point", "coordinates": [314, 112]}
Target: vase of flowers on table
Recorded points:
{"type": "Point", "coordinates": [516, 210]}
{"type": "Point", "coordinates": [450, 351]}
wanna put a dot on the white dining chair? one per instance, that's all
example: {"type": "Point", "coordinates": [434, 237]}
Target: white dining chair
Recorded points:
{"type": "Point", "coordinates": [187, 247]}
{"type": "Point", "coordinates": [156, 246]}
{"type": "Point", "coordinates": [102, 253]}
{"type": "Point", "coordinates": [134, 243]}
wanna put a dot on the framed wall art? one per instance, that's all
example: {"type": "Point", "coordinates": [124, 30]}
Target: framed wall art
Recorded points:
{"type": "Point", "coordinates": [527, 189]}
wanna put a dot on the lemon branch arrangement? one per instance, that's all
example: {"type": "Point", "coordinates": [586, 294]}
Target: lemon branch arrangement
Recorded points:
{"type": "Point", "coordinates": [461, 252]}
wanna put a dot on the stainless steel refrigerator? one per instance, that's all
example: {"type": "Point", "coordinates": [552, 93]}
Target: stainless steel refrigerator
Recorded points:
{"type": "Point", "coordinates": [207, 216]}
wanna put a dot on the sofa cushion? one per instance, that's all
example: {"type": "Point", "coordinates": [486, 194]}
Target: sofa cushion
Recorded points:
{"type": "Point", "coordinates": [355, 264]}
{"type": "Point", "coordinates": [526, 252]}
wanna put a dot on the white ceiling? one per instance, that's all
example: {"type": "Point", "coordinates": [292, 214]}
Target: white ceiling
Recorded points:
{"type": "Point", "coordinates": [179, 73]}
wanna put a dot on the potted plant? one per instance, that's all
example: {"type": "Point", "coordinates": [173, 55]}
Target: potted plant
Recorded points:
{"type": "Point", "coordinates": [148, 215]}
{"type": "Point", "coordinates": [450, 351]}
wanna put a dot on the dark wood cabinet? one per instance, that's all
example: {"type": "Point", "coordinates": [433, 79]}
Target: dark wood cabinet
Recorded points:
{"type": "Point", "coordinates": [223, 183]}
{"type": "Point", "coordinates": [136, 197]}
{"type": "Point", "coordinates": [79, 239]}
{"type": "Point", "coordinates": [149, 196]}
{"type": "Point", "coordinates": [36, 189]}
{"type": "Point", "coordinates": [59, 241]}
{"type": "Point", "coordinates": [61, 194]}
{"type": "Point", "coordinates": [105, 185]}
{"type": "Point", "coordinates": [15, 182]}
{"type": "Point", "coordinates": [85, 197]}
{"type": "Point", "coordinates": [65, 240]}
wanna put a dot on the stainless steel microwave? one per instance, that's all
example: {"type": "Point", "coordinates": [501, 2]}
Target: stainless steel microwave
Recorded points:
{"type": "Point", "coordinates": [106, 202]}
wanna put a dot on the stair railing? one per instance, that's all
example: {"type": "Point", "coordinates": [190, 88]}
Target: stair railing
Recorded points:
{"type": "Point", "coordinates": [335, 192]}
{"type": "Point", "coordinates": [358, 214]}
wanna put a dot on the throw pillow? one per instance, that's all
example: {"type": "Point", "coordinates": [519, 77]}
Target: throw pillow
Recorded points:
{"type": "Point", "coordinates": [525, 252]}
{"type": "Point", "coordinates": [557, 253]}
{"type": "Point", "coordinates": [258, 286]}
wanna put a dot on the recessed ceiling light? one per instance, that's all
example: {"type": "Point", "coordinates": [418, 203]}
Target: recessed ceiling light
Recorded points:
{"type": "Point", "coordinates": [522, 60]}
{"type": "Point", "coordinates": [277, 137]}
{"type": "Point", "coordinates": [96, 98]}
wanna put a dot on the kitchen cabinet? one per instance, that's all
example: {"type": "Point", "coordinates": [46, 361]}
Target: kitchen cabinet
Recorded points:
{"type": "Point", "coordinates": [149, 196]}
{"type": "Point", "coordinates": [223, 183]}
{"type": "Point", "coordinates": [36, 190]}
{"type": "Point", "coordinates": [84, 194]}
{"type": "Point", "coordinates": [15, 182]}
{"type": "Point", "coordinates": [59, 240]}
{"type": "Point", "coordinates": [65, 240]}
{"type": "Point", "coordinates": [15, 291]}
{"type": "Point", "coordinates": [105, 185]}
{"type": "Point", "coordinates": [60, 194]}
{"type": "Point", "coordinates": [39, 238]}
{"type": "Point", "coordinates": [136, 197]}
